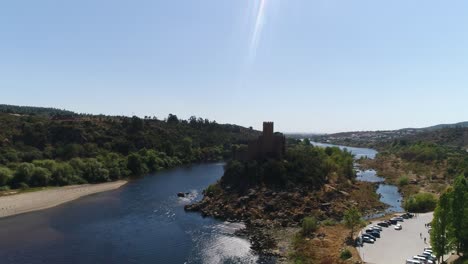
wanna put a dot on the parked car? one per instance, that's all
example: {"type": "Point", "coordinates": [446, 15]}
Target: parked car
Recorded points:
{"type": "Point", "coordinates": [376, 227]}
{"type": "Point", "coordinates": [412, 261]}
{"type": "Point", "coordinates": [427, 258]}
{"type": "Point", "coordinates": [366, 239]}
{"type": "Point", "coordinates": [407, 215]}
{"type": "Point", "coordinates": [429, 254]}
{"type": "Point", "coordinates": [421, 259]}
{"type": "Point", "coordinates": [373, 235]}
{"type": "Point", "coordinates": [399, 218]}
{"type": "Point", "coordinates": [398, 227]}
{"type": "Point", "coordinates": [383, 224]}
{"type": "Point", "coordinates": [393, 221]}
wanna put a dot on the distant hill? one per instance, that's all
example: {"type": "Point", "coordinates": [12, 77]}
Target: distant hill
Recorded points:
{"type": "Point", "coordinates": [33, 110]}
{"type": "Point", "coordinates": [441, 126]}
{"type": "Point", "coordinates": [453, 135]}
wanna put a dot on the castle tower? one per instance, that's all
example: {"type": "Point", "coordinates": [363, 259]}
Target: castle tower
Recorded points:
{"type": "Point", "coordinates": [268, 129]}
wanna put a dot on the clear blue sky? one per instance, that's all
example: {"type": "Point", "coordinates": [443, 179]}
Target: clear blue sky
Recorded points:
{"type": "Point", "coordinates": [311, 66]}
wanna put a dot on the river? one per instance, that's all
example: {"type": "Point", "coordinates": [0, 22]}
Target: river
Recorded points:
{"type": "Point", "coordinates": [142, 222]}
{"type": "Point", "coordinates": [388, 193]}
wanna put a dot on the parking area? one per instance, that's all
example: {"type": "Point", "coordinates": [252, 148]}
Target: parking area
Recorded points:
{"type": "Point", "coordinates": [395, 246]}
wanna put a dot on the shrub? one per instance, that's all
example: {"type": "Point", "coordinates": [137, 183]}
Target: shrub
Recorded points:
{"type": "Point", "coordinates": [420, 203]}
{"type": "Point", "coordinates": [213, 189]}
{"type": "Point", "coordinates": [23, 185]}
{"type": "Point", "coordinates": [4, 188]}
{"type": "Point", "coordinates": [329, 222]}
{"type": "Point", "coordinates": [5, 176]}
{"type": "Point", "coordinates": [403, 180]}
{"type": "Point", "coordinates": [345, 254]}
{"type": "Point", "coordinates": [309, 225]}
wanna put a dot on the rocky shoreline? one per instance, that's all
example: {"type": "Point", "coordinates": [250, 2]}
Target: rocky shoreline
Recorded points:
{"type": "Point", "coordinates": [264, 209]}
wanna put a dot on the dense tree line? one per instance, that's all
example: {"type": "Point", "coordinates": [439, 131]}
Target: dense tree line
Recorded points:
{"type": "Point", "coordinates": [303, 165]}
{"type": "Point", "coordinates": [450, 223]}
{"type": "Point", "coordinates": [41, 150]}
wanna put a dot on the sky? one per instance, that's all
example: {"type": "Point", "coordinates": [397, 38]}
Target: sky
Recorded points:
{"type": "Point", "coordinates": [308, 65]}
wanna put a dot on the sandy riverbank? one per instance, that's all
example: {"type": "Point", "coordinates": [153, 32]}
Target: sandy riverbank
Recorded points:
{"type": "Point", "coordinates": [33, 201]}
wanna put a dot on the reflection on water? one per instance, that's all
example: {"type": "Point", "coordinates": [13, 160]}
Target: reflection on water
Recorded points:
{"type": "Point", "coordinates": [142, 222]}
{"type": "Point", "coordinates": [368, 176]}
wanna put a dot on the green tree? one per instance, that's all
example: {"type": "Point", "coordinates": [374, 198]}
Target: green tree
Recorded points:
{"type": "Point", "coordinates": [440, 224]}
{"type": "Point", "coordinates": [352, 219]}
{"type": "Point", "coordinates": [459, 214]}
{"type": "Point", "coordinates": [135, 164]}
{"type": "Point", "coordinates": [23, 174]}
{"type": "Point", "coordinates": [40, 177]}
{"type": "Point", "coordinates": [5, 175]}
{"type": "Point", "coordinates": [187, 150]}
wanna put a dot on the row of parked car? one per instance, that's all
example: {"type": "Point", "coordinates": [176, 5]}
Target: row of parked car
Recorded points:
{"type": "Point", "coordinates": [425, 258]}
{"type": "Point", "coordinates": [373, 232]}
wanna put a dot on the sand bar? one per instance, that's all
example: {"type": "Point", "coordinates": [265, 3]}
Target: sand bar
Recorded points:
{"type": "Point", "coordinates": [38, 200]}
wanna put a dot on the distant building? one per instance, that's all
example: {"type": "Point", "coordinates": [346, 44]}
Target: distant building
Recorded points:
{"type": "Point", "coordinates": [268, 145]}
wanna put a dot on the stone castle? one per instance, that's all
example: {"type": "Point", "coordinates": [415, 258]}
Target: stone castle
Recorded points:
{"type": "Point", "coordinates": [269, 145]}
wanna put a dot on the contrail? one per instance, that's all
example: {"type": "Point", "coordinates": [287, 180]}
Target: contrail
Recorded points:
{"type": "Point", "coordinates": [259, 22]}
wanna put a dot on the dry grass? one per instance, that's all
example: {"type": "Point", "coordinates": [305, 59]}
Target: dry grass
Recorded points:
{"type": "Point", "coordinates": [324, 247]}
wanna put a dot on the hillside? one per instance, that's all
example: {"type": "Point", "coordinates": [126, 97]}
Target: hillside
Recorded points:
{"type": "Point", "coordinates": [33, 110]}
{"type": "Point", "coordinates": [39, 149]}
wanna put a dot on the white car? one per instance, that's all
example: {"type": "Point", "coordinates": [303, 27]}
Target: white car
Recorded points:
{"type": "Point", "coordinates": [398, 227]}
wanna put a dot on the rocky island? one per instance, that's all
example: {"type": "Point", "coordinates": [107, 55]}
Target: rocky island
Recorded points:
{"type": "Point", "coordinates": [271, 185]}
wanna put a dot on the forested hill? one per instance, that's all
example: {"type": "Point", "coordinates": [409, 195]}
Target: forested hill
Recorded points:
{"type": "Point", "coordinates": [33, 110]}
{"type": "Point", "coordinates": [451, 136]}
{"type": "Point", "coordinates": [38, 150]}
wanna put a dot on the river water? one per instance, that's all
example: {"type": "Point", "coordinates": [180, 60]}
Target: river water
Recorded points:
{"type": "Point", "coordinates": [142, 222]}
{"type": "Point", "coordinates": [388, 193]}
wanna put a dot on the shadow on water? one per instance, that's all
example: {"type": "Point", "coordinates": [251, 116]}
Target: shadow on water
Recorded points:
{"type": "Point", "coordinates": [142, 222]}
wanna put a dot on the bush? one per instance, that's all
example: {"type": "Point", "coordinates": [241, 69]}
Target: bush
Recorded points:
{"type": "Point", "coordinates": [345, 254]}
{"type": "Point", "coordinates": [213, 189]}
{"type": "Point", "coordinates": [403, 180]}
{"type": "Point", "coordinates": [329, 222]}
{"type": "Point", "coordinates": [4, 188]}
{"type": "Point", "coordinates": [420, 203]}
{"type": "Point", "coordinates": [309, 225]}
{"type": "Point", "coordinates": [5, 176]}
{"type": "Point", "coordinates": [23, 186]}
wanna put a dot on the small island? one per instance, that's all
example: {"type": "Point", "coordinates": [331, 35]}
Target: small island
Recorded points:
{"type": "Point", "coordinates": [275, 186]}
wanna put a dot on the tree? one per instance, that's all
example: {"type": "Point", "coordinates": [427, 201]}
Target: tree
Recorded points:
{"type": "Point", "coordinates": [459, 214]}
{"type": "Point", "coordinates": [136, 165]}
{"type": "Point", "coordinates": [23, 174]}
{"type": "Point", "coordinates": [5, 176]}
{"type": "Point", "coordinates": [172, 119]}
{"type": "Point", "coordinates": [440, 222]}
{"type": "Point", "coordinates": [40, 177]}
{"type": "Point", "coordinates": [352, 219]}
{"type": "Point", "coordinates": [187, 150]}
